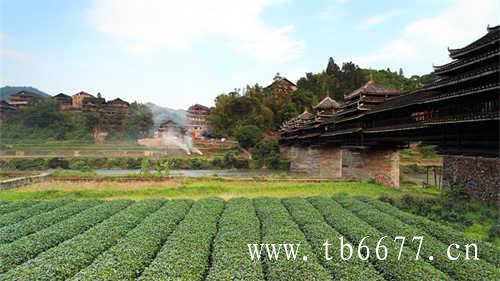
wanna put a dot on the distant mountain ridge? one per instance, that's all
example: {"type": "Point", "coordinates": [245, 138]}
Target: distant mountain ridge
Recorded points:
{"type": "Point", "coordinates": [161, 114]}
{"type": "Point", "coordinates": [8, 91]}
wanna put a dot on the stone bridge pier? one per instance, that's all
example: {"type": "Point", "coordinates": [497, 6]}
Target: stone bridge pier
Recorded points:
{"type": "Point", "coordinates": [335, 162]}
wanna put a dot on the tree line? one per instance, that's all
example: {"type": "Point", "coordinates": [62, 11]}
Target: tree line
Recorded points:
{"type": "Point", "coordinates": [265, 109]}
{"type": "Point", "coordinates": [45, 121]}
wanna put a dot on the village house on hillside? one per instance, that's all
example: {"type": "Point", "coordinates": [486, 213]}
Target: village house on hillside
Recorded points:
{"type": "Point", "coordinates": [64, 101]}
{"type": "Point", "coordinates": [22, 99]}
{"type": "Point", "coordinates": [283, 86]}
{"type": "Point", "coordinates": [77, 99]}
{"type": "Point", "coordinates": [196, 120]}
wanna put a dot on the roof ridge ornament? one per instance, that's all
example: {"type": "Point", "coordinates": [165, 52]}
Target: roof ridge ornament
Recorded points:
{"type": "Point", "coordinates": [371, 77]}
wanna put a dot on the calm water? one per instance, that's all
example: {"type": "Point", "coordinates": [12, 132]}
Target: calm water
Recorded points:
{"type": "Point", "coordinates": [199, 173]}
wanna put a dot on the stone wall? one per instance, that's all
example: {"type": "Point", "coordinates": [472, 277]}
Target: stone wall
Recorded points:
{"type": "Point", "coordinates": [330, 162]}
{"type": "Point", "coordinates": [379, 165]}
{"type": "Point", "coordinates": [480, 176]}
{"type": "Point", "coordinates": [304, 160]}
{"type": "Point", "coordinates": [314, 160]}
{"type": "Point", "coordinates": [15, 182]}
{"type": "Point", "coordinates": [334, 162]}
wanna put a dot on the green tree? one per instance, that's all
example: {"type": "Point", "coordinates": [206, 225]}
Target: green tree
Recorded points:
{"type": "Point", "coordinates": [139, 121]}
{"type": "Point", "coordinates": [332, 68]}
{"type": "Point", "coordinates": [249, 136]}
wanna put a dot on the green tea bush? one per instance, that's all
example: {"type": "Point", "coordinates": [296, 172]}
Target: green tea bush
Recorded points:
{"type": "Point", "coordinates": [186, 253]}
{"type": "Point", "coordinates": [355, 229]}
{"type": "Point", "coordinates": [277, 228]}
{"type": "Point", "coordinates": [80, 250]}
{"type": "Point", "coordinates": [317, 231]}
{"type": "Point", "coordinates": [127, 259]}
{"type": "Point", "coordinates": [38, 222]}
{"type": "Point", "coordinates": [444, 233]}
{"type": "Point", "coordinates": [494, 233]}
{"type": "Point", "coordinates": [30, 246]}
{"type": "Point", "coordinates": [459, 269]}
{"type": "Point", "coordinates": [238, 227]}
{"type": "Point", "coordinates": [16, 205]}
{"type": "Point", "coordinates": [17, 216]}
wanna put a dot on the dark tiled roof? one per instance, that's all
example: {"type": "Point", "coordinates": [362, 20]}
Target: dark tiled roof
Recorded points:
{"type": "Point", "coordinates": [198, 107]}
{"type": "Point", "coordinates": [372, 88]}
{"type": "Point", "coordinates": [61, 95]}
{"type": "Point", "coordinates": [456, 64]}
{"type": "Point", "coordinates": [305, 116]}
{"type": "Point", "coordinates": [491, 36]}
{"type": "Point", "coordinates": [327, 103]}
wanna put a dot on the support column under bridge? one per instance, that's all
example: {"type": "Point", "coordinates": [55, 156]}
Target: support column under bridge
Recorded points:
{"type": "Point", "coordinates": [379, 165]}
{"type": "Point", "coordinates": [314, 160]}
{"type": "Point", "coordinates": [335, 162]}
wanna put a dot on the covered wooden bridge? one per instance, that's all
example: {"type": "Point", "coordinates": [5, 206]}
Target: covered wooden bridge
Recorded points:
{"type": "Point", "coordinates": [458, 112]}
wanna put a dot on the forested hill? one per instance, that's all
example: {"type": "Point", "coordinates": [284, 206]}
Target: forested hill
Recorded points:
{"type": "Point", "coordinates": [265, 109]}
{"type": "Point", "coordinates": [161, 114]}
{"type": "Point", "coordinates": [8, 91]}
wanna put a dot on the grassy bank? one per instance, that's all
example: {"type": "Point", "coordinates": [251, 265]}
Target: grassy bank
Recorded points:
{"type": "Point", "coordinates": [196, 189]}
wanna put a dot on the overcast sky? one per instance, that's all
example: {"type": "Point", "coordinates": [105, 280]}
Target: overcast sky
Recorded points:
{"type": "Point", "coordinates": [177, 53]}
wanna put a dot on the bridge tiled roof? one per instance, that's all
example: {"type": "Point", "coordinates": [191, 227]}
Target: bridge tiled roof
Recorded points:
{"type": "Point", "coordinates": [492, 36]}
{"type": "Point", "coordinates": [372, 88]}
{"type": "Point", "coordinates": [327, 104]}
{"type": "Point", "coordinates": [457, 64]}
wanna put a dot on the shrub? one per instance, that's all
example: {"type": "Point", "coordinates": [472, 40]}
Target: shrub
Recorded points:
{"type": "Point", "coordinates": [494, 233]}
{"type": "Point", "coordinates": [43, 206]}
{"type": "Point", "coordinates": [459, 270]}
{"type": "Point", "coordinates": [444, 233]}
{"type": "Point", "coordinates": [186, 253]}
{"type": "Point", "coordinates": [277, 227]}
{"type": "Point", "coordinates": [355, 229]}
{"type": "Point", "coordinates": [197, 163]}
{"type": "Point", "coordinates": [428, 151]}
{"type": "Point", "coordinates": [217, 162]}
{"type": "Point", "coordinates": [79, 165]}
{"type": "Point", "coordinates": [145, 165]}
{"type": "Point", "coordinates": [230, 159]}
{"type": "Point", "coordinates": [386, 199]}
{"type": "Point", "coordinates": [248, 136]}
{"type": "Point", "coordinates": [30, 246]}
{"type": "Point", "coordinates": [238, 227]}
{"type": "Point", "coordinates": [82, 249]}
{"type": "Point", "coordinates": [127, 259]}
{"type": "Point", "coordinates": [317, 231]}
{"type": "Point", "coordinates": [38, 222]}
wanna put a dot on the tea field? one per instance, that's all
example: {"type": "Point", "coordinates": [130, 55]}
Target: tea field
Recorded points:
{"type": "Point", "coordinates": [182, 239]}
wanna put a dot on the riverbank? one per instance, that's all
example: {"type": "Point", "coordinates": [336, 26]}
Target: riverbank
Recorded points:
{"type": "Point", "coordinates": [201, 188]}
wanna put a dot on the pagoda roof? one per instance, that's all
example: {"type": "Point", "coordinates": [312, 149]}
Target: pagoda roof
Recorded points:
{"type": "Point", "coordinates": [458, 64]}
{"type": "Point", "coordinates": [491, 36]}
{"type": "Point", "coordinates": [198, 107]}
{"type": "Point", "coordinates": [473, 74]}
{"type": "Point", "coordinates": [327, 103]}
{"type": "Point", "coordinates": [306, 115]}
{"type": "Point", "coordinates": [373, 88]}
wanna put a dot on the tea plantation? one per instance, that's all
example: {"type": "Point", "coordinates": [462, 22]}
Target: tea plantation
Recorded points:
{"type": "Point", "coordinates": [208, 240]}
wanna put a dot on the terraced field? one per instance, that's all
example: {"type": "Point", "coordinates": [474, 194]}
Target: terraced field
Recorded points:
{"type": "Point", "coordinates": [208, 240]}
